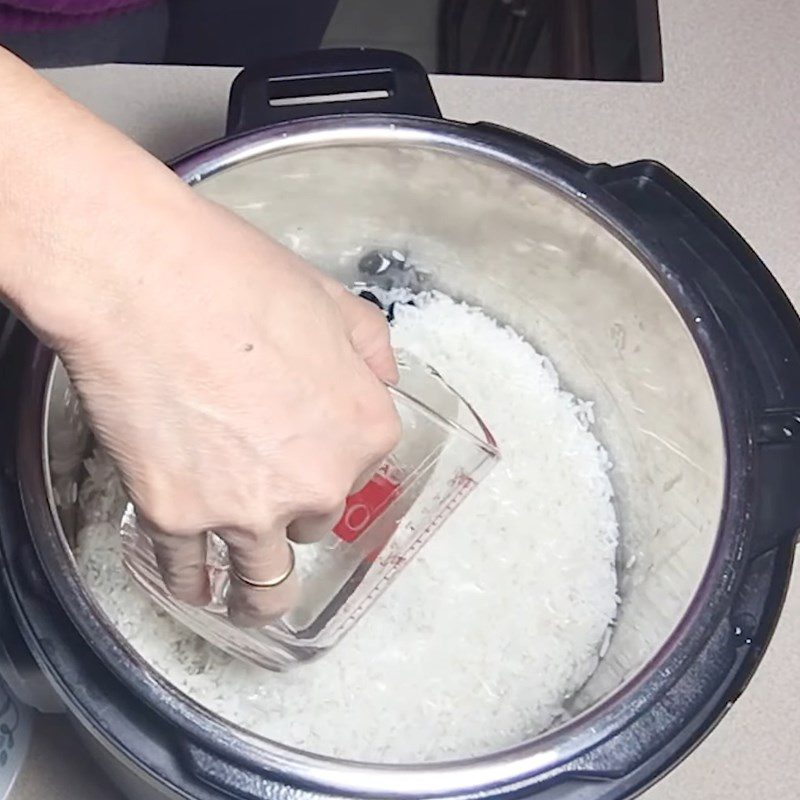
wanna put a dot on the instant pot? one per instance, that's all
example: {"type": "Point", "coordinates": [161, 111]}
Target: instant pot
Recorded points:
{"type": "Point", "coordinates": [15, 730]}
{"type": "Point", "coordinates": [649, 304]}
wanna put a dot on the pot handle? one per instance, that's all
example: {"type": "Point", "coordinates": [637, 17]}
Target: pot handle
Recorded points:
{"type": "Point", "coordinates": [763, 331]}
{"type": "Point", "coordinates": [759, 320]}
{"type": "Point", "coordinates": [324, 82]}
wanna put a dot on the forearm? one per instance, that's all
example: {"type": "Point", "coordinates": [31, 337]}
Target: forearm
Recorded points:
{"type": "Point", "coordinates": [72, 215]}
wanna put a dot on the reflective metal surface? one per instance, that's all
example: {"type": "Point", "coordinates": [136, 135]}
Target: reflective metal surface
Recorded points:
{"type": "Point", "coordinates": [491, 234]}
{"type": "Point", "coordinates": [494, 225]}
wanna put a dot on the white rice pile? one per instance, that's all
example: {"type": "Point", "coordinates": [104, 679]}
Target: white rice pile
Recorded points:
{"type": "Point", "coordinates": [483, 637]}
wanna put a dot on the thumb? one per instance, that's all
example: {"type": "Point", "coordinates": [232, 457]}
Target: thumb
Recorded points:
{"type": "Point", "coordinates": [369, 334]}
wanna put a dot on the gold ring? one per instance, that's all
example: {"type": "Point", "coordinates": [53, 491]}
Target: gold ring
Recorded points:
{"type": "Point", "coordinates": [273, 582]}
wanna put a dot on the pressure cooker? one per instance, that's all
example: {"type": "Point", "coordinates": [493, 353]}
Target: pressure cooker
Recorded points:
{"type": "Point", "coordinates": [649, 303]}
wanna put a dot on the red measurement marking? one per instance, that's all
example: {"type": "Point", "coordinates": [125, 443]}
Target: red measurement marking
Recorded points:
{"type": "Point", "coordinates": [364, 507]}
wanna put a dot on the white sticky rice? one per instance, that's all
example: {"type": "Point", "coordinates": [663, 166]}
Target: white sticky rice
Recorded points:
{"type": "Point", "coordinates": [483, 637]}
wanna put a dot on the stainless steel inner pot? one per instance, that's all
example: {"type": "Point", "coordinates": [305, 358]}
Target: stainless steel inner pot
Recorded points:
{"type": "Point", "coordinates": [494, 229]}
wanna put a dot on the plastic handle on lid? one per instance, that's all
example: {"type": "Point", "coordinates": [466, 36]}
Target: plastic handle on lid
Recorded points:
{"type": "Point", "coordinates": [330, 81]}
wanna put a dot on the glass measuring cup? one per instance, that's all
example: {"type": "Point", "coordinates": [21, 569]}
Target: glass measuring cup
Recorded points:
{"type": "Point", "coordinates": [444, 451]}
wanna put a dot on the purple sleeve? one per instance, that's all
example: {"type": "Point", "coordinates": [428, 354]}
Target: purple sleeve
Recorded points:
{"type": "Point", "coordinates": [40, 14]}
{"type": "Point", "coordinates": [69, 6]}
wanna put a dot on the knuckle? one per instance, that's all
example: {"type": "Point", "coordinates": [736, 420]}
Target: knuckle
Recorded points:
{"type": "Point", "coordinates": [181, 583]}
{"type": "Point", "coordinates": [329, 494]}
{"type": "Point", "coordinates": [245, 537]}
{"type": "Point", "coordinates": [309, 530]}
{"type": "Point", "coordinates": [162, 506]}
{"type": "Point", "coordinates": [375, 323]}
{"type": "Point", "coordinates": [176, 572]}
{"type": "Point", "coordinates": [323, 487]}
{"type": "Point", "coordinates": [163, 517]}
{"type": "Point", "coordinates": [385, 430]}
{"type": "Point", "coordinates": [185, 579]}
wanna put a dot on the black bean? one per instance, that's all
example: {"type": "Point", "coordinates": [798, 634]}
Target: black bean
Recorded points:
{"type": "Point", "coordinates": [370, 298]}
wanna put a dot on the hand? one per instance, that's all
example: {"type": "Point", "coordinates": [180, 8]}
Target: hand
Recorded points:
{"type": "Point", "coordinates": [236, 387]}
{"type": "Point", "coordinates": [238, 390]}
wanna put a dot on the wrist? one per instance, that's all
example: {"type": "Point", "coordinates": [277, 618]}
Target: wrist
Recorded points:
{"type": "Point", "coordinates": [80, 207]}
{"type": "Point", "coordinates": [75, 275]}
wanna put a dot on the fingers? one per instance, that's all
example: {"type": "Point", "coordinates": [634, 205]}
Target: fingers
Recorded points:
{"type": "Point", "coordinates": [369, 335]}
{"type": "Point", "coordinates": [181, 561]}
{"type": "Point", "coordinates": [310, 529]}
{"type": "Point", "coordinates": [366, 476]}
{"type": "Point", "coordinates": [260, 559]}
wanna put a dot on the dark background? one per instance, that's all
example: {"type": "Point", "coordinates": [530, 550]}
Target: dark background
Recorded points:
{"type": "Point", "coordinates": [579, 39]}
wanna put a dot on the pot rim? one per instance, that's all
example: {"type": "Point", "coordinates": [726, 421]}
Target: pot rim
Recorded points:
{"type": "Point", "coordinates": [525, 763]}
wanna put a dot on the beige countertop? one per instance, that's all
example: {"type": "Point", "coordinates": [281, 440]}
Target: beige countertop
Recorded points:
{"type": "Point", "coordinates": [725, 119]}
